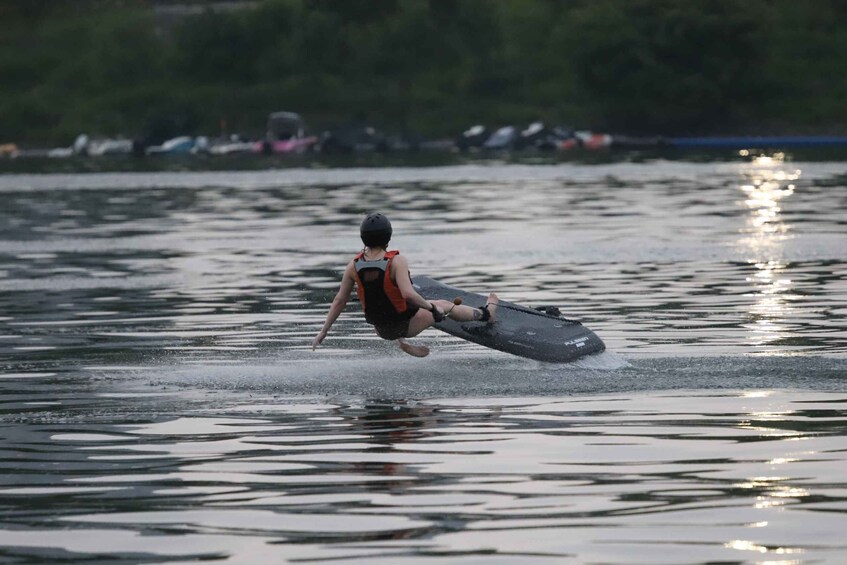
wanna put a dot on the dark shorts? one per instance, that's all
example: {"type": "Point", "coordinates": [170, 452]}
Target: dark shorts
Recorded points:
{"type": "Point", "coordinates": [395, 328]}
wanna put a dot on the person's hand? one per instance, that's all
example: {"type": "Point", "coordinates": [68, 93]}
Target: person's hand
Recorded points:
{"type": "Point", "coordinates": [318, 339]}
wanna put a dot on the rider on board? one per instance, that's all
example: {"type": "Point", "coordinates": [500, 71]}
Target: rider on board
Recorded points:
{"type": "Point", "coordinates": [389, 300]}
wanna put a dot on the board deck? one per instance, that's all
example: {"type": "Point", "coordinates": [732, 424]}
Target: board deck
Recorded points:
{"type": "Point", "coordinates": [519, 330]}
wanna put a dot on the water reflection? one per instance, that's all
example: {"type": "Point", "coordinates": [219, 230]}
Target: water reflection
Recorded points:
{"type": "Point", "coordinates": [658, 259]}
{"type": "Point", "coordinates": [769, 182]}
{"type": "Point", "coordinates": [681, 478]}
{"type": "Point", "coordinates": [771, 309]}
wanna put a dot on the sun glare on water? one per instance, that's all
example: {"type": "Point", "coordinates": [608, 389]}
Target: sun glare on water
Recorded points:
{"type": "Point", "coordinates": [768, 183]}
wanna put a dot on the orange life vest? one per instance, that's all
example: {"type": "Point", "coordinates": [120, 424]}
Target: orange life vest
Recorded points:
{"type": "Point", "coordinates": [380, 296]}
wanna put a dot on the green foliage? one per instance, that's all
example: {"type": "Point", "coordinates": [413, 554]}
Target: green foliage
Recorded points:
{"type": "Point", "coordinates": [666, 65]}
{"type": "Point", "coordinates": [110, 67]}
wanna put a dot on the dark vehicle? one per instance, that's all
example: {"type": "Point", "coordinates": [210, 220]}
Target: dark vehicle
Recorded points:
{"type": "Point", "coordinates": [538, 136]}
{"type": "Point", "coordinates": [353, 139]}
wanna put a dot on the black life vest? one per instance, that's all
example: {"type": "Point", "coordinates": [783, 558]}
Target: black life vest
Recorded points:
{"type": "Point", "coordinates": [380, 296]}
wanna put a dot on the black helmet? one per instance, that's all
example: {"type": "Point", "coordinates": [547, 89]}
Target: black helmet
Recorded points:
{"type": "Point", "coordinates": [375, 230]}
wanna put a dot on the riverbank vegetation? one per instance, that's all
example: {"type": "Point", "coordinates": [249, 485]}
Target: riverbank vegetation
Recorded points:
{"type": "Point", "coordinates": [133, 68]}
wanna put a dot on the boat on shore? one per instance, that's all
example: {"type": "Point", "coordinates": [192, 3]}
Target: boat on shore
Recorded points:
{"type": "Point", "coordinates": [285, 133]}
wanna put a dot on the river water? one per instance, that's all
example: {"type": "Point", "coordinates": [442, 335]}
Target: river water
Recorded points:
{"type": "Point", "coordinates": [160, 401]}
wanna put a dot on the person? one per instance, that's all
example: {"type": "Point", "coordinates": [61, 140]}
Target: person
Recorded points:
{"type": "Point", "coordinates": [389, 299]}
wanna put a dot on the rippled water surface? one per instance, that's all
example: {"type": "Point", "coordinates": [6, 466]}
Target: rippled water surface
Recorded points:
{"type": "Point", "coordinates": [160, 401]}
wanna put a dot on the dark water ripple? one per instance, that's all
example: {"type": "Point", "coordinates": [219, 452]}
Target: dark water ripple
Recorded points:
{"type": "Point", "coordinates": [729, 477]}
{"type": "Point", "coordinates": [159, 401]}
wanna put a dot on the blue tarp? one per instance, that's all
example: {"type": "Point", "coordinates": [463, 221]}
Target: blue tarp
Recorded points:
{"type": "Point", "coordinates": [758, 142]}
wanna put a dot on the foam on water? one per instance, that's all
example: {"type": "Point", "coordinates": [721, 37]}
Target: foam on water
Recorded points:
{"type": "Point", "coordinates": [395, 376]}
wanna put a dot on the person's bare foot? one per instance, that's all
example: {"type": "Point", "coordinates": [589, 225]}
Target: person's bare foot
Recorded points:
{"type": "Point", "coordinates": [414, 350]}
{"type": "Point", "coordinates": [492, 307]}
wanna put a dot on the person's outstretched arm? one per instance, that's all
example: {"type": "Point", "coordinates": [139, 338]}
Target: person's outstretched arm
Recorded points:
{"type": "Point", "coordinates": [338, 304]}
{"type": "Point", "coordinates": [401, 276]}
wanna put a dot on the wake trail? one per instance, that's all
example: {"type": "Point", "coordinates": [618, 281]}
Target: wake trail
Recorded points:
{"type": "Point", "coordinates": [400, 377]}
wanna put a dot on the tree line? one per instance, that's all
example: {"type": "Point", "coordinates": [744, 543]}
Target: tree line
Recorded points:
{"type": "Point", "coordinates": [429, 67]}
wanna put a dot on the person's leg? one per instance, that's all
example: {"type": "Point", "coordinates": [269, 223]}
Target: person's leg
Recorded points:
{"type": "Point", "coordinates": [413, 350]}
{"type": "Point", "coordinates": [462, 313]}
{"type": "Point", "coordinates": [421, 321]}
{"type": "Point", "coordinates": [397, 331]}
{"type": "Point", "coordinates": [493, 301]}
